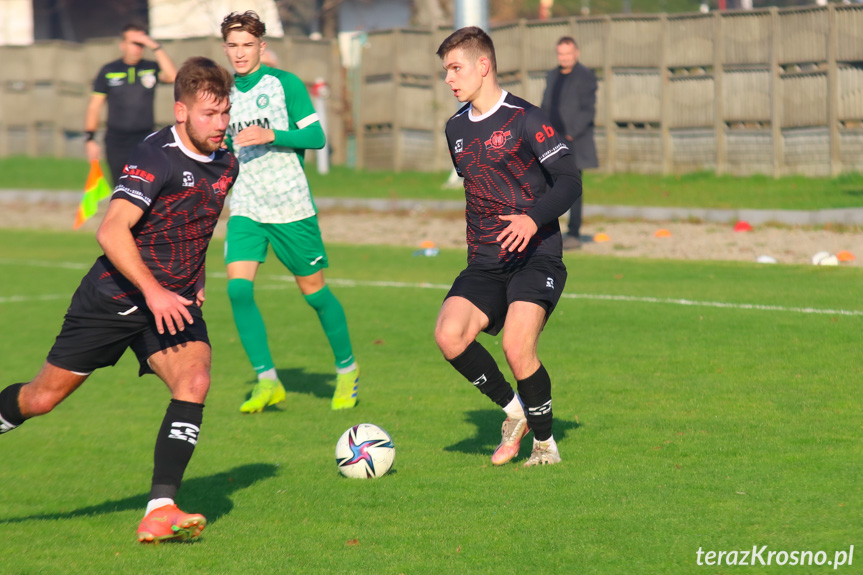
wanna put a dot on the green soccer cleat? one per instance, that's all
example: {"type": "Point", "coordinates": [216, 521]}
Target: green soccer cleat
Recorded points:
{"type": "Point", "coordinates": [266, 392]}
{"type": "Point", "coordinates": [345, 396]}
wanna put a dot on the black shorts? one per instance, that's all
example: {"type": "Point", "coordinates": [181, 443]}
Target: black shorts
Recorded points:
{"type": "Point", "coordinates": [492, 290]}
{"type": "Point", "coordinates": [97, 331]}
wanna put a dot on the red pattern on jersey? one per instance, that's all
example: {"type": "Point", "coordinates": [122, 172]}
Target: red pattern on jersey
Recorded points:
{"type": "Point", "coordinates": [495, 186]}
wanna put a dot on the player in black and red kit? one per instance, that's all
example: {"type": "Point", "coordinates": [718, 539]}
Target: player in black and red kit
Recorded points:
{"type": "Point", "coordinates": [519, 177]}
{"type": "Point", "coordinates": [146, 291]}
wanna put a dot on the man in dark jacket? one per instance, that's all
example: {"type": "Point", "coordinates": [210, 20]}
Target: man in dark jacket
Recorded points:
{"type": "Point", "coordinates": [569, 102]}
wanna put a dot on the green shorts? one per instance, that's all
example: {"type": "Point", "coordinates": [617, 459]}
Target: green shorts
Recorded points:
{"type": "Point", "coordinates": [298, 245]}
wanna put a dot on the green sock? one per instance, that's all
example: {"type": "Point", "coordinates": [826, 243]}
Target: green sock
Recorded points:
{"type": "Point", "coordinates": [335, 324]}
{"type": "Point", "coordinates": [250, 324]}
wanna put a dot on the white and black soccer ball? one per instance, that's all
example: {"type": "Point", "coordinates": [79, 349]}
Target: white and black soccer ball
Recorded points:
{"type": "Point", "coordinates": [365, 451]}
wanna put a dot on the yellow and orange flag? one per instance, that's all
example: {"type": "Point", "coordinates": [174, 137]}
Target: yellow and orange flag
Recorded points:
{"type": "Point", "coordinates": [97, 188]}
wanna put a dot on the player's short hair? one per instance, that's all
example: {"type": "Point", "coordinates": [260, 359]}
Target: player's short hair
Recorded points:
{"type": "Point", "coordinates": [199, 75]}
{"type": "Point", "coordinates": [473, 41]}
{"type": "Point", "coordinates": [567, 40]}
{"type": "Point", "coordinates": [133, 26]}
{"type": "Point", "coordinates": [248, 21]}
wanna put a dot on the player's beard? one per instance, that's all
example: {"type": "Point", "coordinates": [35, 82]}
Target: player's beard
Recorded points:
{"type": "Point", "coordinates": [202, 144]}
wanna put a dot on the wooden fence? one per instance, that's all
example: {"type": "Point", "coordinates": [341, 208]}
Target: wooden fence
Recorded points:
{"type": "Point", "coordinates": [763, 91]}
{"type": "Point", "coordinates": [44, 89]}
{"type": "Point", "coordinates": [752, 92]}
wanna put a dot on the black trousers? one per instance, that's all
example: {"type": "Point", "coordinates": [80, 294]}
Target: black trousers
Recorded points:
{"type": "Point", "coordinates": [575, 215]}
{"type": "Point", "coordinates": [118, 145]}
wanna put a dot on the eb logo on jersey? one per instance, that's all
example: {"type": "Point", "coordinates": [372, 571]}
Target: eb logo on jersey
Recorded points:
{"type": "Point", "coordinates": [549, 132]}
{"type": "Point", "coordinates": [498, 140]}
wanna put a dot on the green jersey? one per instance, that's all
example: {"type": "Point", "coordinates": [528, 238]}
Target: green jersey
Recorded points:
{"type": "Point", "coordinates": [272, 187]}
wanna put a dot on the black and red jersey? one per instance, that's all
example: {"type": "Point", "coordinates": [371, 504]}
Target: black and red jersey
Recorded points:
{"type": "Point", "coordinates": [182, 194]}
{"type": "Point", "coordinates": [501, 156]}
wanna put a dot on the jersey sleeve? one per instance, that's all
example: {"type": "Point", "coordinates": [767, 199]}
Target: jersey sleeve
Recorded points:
{"type": "Point", "coordinates": [557, 160]}
{"type": "Point", "coordinates": [306, 132]}
{"type": "Point", "coordinates": [146, 171]}
{"type": "Point", "coordinates": [100, 83]}
{"type": "Point", "coordinates": [451, 148]}
{"type": "Point", "coordinates": [547, 145]}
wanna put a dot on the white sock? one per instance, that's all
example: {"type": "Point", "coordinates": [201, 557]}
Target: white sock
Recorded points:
{"type": "Point", "coordinates": [550, 441]}
{"type": "Point", "coordinates": [348, 369]}
{"type": "Point", "coordinates": [515, 409]}
{"type": "Point", "coordinates": [269, 374]}
{"type": "Point", "coordinates": [156, 503]}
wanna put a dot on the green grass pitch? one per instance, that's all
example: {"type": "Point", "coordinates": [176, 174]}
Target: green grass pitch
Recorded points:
{"type": "Point", "coordinates": [709, 426]}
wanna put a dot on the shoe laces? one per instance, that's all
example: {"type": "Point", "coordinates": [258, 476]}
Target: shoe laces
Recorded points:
{"type": "Point", "coordinates": [543, 453]}
{"type": "Point", "coordinates": [512, 429]}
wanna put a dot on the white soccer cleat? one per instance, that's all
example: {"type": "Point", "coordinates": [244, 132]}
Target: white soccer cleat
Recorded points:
{"type": "Point", "coordinates": [544, 453]}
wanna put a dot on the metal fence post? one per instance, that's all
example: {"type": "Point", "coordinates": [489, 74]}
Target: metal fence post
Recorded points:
{"type": "Point", "coordinates": [833, 92]}
{"type": "Point", "coordinates": [721, 141]}
{"type": "Point", "coordinates": [776, 96]}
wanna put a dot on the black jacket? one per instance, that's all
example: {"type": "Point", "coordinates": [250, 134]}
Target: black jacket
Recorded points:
{"type": "Point", "coordinates": [578, 108]}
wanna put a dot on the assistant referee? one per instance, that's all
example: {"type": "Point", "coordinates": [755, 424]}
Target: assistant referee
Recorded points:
{"type": "Point", "coordinates": [129, 86]}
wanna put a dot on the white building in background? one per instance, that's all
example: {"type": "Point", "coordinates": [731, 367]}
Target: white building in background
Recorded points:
{"type": "Point", "coordinates": [16, 22]}
{"type": "Point", "coordinates": [368, 15]}
{"type": "Point", "coordinates": [200, 18]}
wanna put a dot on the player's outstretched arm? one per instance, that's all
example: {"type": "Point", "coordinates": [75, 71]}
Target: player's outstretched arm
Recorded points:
{"type": "Point", "coordinates": [115, 237]}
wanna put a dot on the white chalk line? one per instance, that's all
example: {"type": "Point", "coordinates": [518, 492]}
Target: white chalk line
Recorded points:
{"type": "Point", "coordinates": [288, 281]}
{"type": "Point", "coordinates": [600, 297]}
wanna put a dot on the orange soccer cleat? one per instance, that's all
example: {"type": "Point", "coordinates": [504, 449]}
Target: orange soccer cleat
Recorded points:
{"type": "Point", "coordinates": [167, 523]}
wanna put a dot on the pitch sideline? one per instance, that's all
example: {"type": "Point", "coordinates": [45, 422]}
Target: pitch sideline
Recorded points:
{"type": "Point", "coordinates": [424, 285]}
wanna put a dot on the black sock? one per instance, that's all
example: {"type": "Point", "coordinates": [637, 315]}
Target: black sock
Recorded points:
{"type": "Point", "coordinates": [174, 446]}
{"type": "Point", "coordinates": [478, 366]}
{"type": "Point", "coordinates": [535, 393]}
{"type": "Point", "coordinates": [10, 412]}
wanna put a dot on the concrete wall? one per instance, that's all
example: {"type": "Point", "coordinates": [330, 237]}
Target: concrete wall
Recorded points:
{"type": "Point", "coordinates": [45, 87]}
{"type": "Point", "coordinates": [762, 91]}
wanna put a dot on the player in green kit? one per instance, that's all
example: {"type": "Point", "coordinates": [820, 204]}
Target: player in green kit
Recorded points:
{"type": "Point", "coordinates": [273, 122]}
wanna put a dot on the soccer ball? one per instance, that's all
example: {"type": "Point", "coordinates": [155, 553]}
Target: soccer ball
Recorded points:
{"type": "Point", "coordinates": [365, 451]}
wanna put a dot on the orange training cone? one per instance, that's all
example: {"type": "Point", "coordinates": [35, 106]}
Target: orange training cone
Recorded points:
{"type": "Point", "coordinates": [601, 237]}
{"type": "Point", "coordinates": [845, 256]}
{"type": "Point", "coordinates": [742, 226]}
{"type": "Point", "coordinates": [662, 233]}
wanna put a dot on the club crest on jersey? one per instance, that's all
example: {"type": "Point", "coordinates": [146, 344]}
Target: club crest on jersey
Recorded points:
{"type": "Point", "coordinates": [498, 140]}
{"type": "Point", "coordinates": [188, 180]}
{"type": "Point", "coordinates": [459, 146]}
{"type": "Point", "coordinates": [148, 80]}
{"type": "Point", "coordinates": [222, 186]}
{"type": "Point", "coordinates": [263, 101]}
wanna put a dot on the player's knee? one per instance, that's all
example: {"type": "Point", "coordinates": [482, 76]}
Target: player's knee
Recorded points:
{"type": "Point", "coordinates": [194, 387]}
{"type": "Point", "coordinates": [35, 404]}
{"type": "Point", "coordinates": [241, 291]}
{"type": "Point", "coordinates": [450, 339]}
{"type": "Point", "coordinates": [519, 356]}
